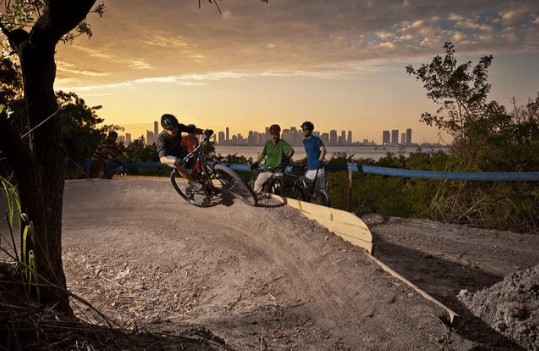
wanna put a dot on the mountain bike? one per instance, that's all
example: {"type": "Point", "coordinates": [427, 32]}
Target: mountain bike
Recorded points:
{"type": "Point", "coordinates": [305, 189]}
{"type": "Point", "coordinates": [273, 184]}
{"type": "Point", "coordinates": [120, 170]}
{"type": "Point", "coordinates": [203, 191]}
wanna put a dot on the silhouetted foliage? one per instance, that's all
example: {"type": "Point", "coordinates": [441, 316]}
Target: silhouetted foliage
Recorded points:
{"type": "Point", "coordinates": [487, 138]}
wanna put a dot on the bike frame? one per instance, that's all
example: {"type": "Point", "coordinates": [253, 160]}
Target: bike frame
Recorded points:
{"type": "Point", "coordinates": [272, 180]}
{"type": "Point", "coordinates": [209, 168]}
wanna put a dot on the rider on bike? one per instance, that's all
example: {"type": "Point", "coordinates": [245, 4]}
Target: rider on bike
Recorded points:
{"type": "Point", "coordinates": [316, 151]}
{"type": "Point", "coordinates": [170, 148]}
{"type": "Point", "coordinates": [277, 153]}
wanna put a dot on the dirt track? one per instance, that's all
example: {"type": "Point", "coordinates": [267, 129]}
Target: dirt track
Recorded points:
{"type": "Point", "coordinates": [269, 279]}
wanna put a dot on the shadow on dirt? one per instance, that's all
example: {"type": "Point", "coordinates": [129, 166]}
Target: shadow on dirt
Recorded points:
{"type": "Point", "coordinates": [443, 279]}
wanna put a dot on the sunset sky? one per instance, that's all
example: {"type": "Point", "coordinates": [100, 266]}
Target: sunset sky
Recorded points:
{"type": "Point", "coordinates": [340, 64]}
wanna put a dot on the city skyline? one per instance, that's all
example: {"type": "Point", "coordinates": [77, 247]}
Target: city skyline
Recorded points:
{"type": "Point", "coordinates": [292, 135]}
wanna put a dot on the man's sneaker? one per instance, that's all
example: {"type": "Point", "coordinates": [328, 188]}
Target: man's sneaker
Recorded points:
{"type": "Point", "coordinates": [262, 195]}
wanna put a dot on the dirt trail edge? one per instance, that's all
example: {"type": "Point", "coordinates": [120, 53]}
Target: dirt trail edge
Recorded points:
{"type": "Point", "coordinates": [268, 278]}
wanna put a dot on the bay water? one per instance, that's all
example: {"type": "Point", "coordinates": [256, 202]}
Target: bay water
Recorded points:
{"type": "Point", "coordinates": [359, 152]}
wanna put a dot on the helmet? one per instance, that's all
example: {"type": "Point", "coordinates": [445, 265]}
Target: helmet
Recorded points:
{"type": "Point", "coordinates": [274, 129]}
{"type": "Point", "coordinates": [113, 134]}
{"type": "Point", "coordinates": [168, 121]}
{"type": "Point", "coordinates": [192, 126]}
{"type": "Point", "coordinates": [307, 125]}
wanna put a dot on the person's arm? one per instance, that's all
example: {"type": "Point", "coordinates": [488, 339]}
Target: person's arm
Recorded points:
{"type": "Point", "coordinates": [261, 156]}
{"type": "Point", "coordinates": [162, 152]}
{"type": "Point", "coordinates": [290, 152]}
{"type": "Point", "coordinates": [255, 164]}
{"type": "Point", "coordinates": [186, 129]}
{"type": "Point", "coordinates": [168, 160]}
{"type": "Point", "coordinates": [322, 153]}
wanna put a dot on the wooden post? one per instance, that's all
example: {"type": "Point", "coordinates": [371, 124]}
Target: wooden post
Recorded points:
{"type": "Point", "coordinates": [349, 190]}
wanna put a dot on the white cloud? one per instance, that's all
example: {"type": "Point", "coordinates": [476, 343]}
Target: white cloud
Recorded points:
{"type": "Point", "coordinates": [387, 45]}
{"type": "Point", "coordinates": [385, 35]}
{"type": "Point", "coordinates": [139, 65]}
{"type": "Point", "coordinates": [167, 41]}
{"type": "Point", "coordinates": [82, 72]}
{"type": "Point", "coordinates": [458, 37]}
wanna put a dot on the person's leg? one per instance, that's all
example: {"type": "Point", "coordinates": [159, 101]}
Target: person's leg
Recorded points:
{"type": "Point", "coordinates": [320, 179]}
{"type": "Point", "coordinates": [260, 180]}
{"type": "Point", "coordinates": [102, 169]}
{"type": "Point", "coordinates": [182, 169]}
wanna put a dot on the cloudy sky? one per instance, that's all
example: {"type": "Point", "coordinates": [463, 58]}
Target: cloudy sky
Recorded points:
{"type": "Point", "coordinates": [340, 64]}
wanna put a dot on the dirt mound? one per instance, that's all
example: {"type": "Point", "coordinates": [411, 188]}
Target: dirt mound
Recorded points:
{"type": "Point", "coordinates": [268, 278]}
{"type": "Point", "coordinates": [510, 307]}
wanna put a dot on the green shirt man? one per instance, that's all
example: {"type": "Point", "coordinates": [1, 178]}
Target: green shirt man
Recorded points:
{"type": "Point", "coordinates": [275, 152]}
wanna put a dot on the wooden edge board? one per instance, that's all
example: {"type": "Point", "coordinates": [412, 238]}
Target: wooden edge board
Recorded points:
{"type": "Point", "coordinates": [344, 224]}
{"type": "Point", "coordinates": [452, 315]}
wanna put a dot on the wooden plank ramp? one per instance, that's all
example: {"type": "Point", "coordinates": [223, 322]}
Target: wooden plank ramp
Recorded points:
{"type": "Point", "coordinates": [342, 223]}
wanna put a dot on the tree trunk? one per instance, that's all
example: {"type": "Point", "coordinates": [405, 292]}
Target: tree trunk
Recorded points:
{"type": "Point", "coordinates": [40, 165]}
{"type": "Point", "coordinates": [41, 186]}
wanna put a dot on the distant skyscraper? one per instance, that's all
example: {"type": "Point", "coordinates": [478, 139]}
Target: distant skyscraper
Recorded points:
{"type": "Point", "coordinates": [333, 137]}
{"type": "Point", "coordinates": [395, 137]}
{"type": "Point", "coordinates": [325, 138]}
{"type": "Point", "coordinates": [155, 128]}
{"type": "Point", "coordinates": [221, 138]}
{"type": "Point", "coordinates": [349, 141]}
{"type": "Point", "coordinates": [403, 138]}
{"type": "Point", "coordinates": [227, 134]}
{"type": "Point", "coordinates": [409, 136]}
{"type": "Point", "coordinates": [150, 137]}
{"type": "Point", "coordinates": [385, 137]}
{"type": "Point", "coordinates": [128, 138]}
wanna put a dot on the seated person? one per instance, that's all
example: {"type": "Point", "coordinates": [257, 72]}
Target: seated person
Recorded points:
{"type": "Point", "coordinates": [277, 153]}
{"type": "Point", "coordinates": [103, 154]}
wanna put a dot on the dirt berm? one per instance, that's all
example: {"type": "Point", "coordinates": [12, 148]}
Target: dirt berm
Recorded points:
{"type": "Point", "coordinates": [268, 278]}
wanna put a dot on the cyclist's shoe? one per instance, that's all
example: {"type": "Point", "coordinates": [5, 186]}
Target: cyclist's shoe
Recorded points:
{"type": "Point", "coordinates": [262, 195]}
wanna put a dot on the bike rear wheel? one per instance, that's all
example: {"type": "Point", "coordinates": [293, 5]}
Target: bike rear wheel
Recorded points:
{"type": "Point", "coordinates": [234, 184]}
{"type": "Point", "coordinates": [321, 197]}
{"type": "Point", "coordinates": [277, 187]}
{"type": "Point", "coordinates": [198, 195]}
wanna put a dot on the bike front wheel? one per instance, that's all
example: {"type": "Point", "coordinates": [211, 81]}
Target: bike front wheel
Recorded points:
{"type": "Point", "coordinates": [321, 197]}
{"type": "Point", "coordinates": [298, 192]}
{"type": "Point", "coordinates": [197, 195]}
{"type": "Point", "coordinates": [234, 184]}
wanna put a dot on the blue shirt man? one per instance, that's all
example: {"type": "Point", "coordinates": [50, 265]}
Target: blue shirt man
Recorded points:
{"type": "Point", "coordinates": [316, 151]}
